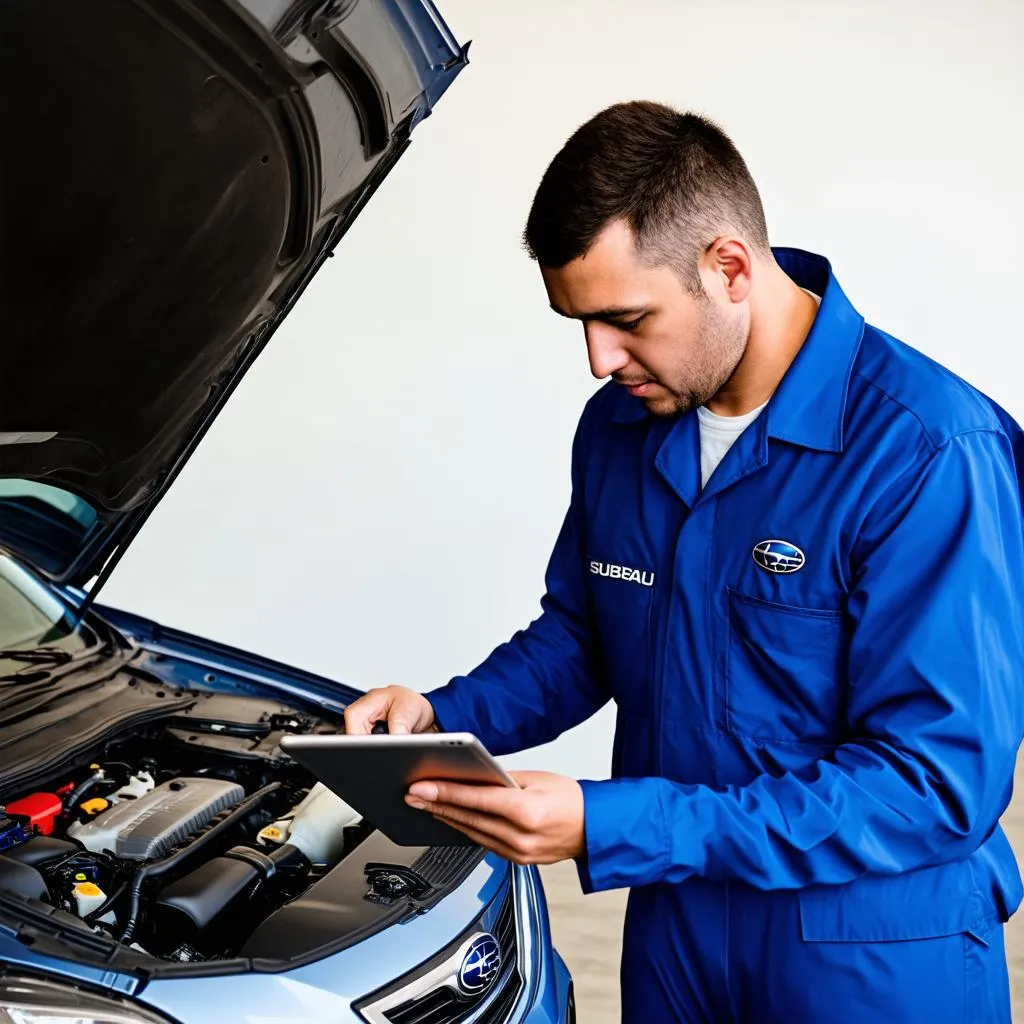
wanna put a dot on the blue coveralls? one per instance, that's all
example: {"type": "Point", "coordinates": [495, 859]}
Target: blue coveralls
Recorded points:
{"type": "Point", "coordinates": [808, 766]}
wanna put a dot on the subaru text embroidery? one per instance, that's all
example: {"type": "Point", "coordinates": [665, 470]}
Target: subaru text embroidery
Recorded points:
{"type": "Point", "coordinates": [623, 572]}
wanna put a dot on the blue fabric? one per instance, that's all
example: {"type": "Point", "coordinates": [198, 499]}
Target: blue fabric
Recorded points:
{"type": "Point", "coordinates": [843, 734]}
{"type": "Point", "coordinates": [725, 953]}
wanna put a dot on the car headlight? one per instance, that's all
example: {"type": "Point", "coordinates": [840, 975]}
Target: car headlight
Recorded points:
{"type": "Point", "coordinates": [34, 1001]}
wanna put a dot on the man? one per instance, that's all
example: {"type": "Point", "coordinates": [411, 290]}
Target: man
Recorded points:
{"type": "Point", "coordinates": [792, 558]}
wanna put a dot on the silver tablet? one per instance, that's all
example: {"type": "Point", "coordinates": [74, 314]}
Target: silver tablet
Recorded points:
{"type": "Point", "coordinates": [373, 773]}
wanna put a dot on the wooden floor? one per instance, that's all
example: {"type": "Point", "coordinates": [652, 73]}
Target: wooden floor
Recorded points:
{"type": "Point", "coordinates": [587, 931]}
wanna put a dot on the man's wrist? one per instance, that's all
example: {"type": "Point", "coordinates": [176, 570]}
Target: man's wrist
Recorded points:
{"type": "Point", "coordinates": [447, 713]}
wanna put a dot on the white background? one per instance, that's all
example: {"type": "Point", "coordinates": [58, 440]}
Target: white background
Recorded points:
{"type": "Point", "coordinates": [379, 500]}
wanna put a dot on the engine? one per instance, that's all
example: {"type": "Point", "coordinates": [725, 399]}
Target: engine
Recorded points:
{"type": "Point", "coordinates": [150, 826]}
{"type": "Point", "coordinates": [181, 842]}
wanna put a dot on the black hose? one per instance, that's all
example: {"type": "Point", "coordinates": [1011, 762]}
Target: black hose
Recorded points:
{"type": "Point", "coordinates": [52, 865]}
{"type": "Point", "coordinates": [81, 789]}
{"type": "Point", "coordinates": [157, 868]}
{"type": "Point", "coordinates": [109, 902]}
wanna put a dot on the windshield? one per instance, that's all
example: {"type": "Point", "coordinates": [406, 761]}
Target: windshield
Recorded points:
{"type": "Point", "coordinates": [45, 526]}
{"type": "Point", "coordinates": [31, 616]}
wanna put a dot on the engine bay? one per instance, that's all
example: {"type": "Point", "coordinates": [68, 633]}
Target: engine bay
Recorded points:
{"type": "Point", "coordinates": [180, 838]}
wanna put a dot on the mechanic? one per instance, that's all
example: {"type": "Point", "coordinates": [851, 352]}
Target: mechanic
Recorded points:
{"type": "Point", "coordinates": [793, 557]}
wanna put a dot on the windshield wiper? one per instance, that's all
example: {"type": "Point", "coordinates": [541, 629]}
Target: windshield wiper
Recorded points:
{"type": "Point", "coordinates": [39, 655]}
{"type": "Point", "coordinates": [43, 656]}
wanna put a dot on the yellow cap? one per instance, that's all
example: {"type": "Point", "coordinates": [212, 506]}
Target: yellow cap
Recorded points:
{"type": "Point", "coordinates": [88, 889]}
{"type": "Point", "coordinates": [271, 832]}
{"type": "Point", "coordinates": [95, 805]}
{"type": "Point", "coordinates": [80, 877]}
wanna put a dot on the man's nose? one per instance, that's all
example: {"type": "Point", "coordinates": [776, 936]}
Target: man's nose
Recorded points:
{"type": "Point", "coordinates": [605, 350]}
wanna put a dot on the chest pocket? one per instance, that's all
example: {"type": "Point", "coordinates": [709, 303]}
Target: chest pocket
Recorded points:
{"type": "Point", "coordinates": [786, 671]}
{"type": "Point", "coordinates": [622, 600]}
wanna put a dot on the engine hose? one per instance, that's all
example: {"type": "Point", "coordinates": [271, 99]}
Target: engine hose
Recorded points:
{"type": "Point", "coordinates": [81, 789]}
{"type": "Point", "coordinates": [107, 904]}
{"type": "Point", "coordinates": [157, 868]}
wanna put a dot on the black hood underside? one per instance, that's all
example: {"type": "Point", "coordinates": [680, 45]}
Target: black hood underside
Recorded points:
{"type": "Point", "coordinates": [173, 174]}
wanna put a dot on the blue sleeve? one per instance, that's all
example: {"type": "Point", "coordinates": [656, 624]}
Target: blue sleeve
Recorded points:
{"type": "Point", "coordinates": [547, 678]}
{"type": "Point", "coordinates": [935, 700]}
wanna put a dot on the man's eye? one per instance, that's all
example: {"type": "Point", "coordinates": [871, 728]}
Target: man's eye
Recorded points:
{"type": "Point", "coordinates": [631, 325]}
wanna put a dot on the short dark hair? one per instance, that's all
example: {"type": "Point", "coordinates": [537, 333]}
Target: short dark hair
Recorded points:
{"type": "Point", "coordinates": [676, 179]}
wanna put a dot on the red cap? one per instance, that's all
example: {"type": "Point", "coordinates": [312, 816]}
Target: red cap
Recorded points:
{"type": "Point", "coordinates": [39, 808]}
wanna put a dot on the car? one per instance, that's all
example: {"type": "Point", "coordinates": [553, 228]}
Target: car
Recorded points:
{"type": "Point", "coordinates": [175, 173]}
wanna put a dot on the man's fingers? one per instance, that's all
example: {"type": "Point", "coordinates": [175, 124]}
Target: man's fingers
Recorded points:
{"type": "Point", "coordinates": [495, 832]}
{"type": "Point", "coordinates": [481, 839]}
{"type": "Point", "coordinates": [485, 824]}
{"type": "Point", "coordinates": [490, 799]}
{"type": "Point", "coordinates": [492, 833]}
{"type": "Point", "coordinates": [404, 711]}
{"type": "Point", "coordinates": [361, 714]}
{"type": "Point", "coordinates": [357, 722]}
{"type": "Point", "coordinates": [539, 823]}
{"type": "Point", "coordinates": [513, 846]}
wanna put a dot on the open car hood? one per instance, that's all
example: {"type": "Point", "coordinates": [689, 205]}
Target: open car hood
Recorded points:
{"type": "Point", "coordinates": [174, 173]}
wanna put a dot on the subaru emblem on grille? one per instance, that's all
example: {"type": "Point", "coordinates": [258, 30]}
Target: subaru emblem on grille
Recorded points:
{"type": "Point", "coordinates": [480, 965]}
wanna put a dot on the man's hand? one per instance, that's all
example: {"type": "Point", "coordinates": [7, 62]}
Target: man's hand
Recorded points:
{"type": "Point", "coordinates": [540, 823]}
{"type": "Point", "coordinates": [403, 709]}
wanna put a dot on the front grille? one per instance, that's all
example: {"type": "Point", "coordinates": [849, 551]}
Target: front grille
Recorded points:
{"type": "Point", "coordinates": [433, 1008]}
{"type": "Point", "coordinates": [446, 1005]}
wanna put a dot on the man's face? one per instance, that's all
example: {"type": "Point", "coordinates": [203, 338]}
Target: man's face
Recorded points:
{"type": "Point", "coordinates": [672, 349]}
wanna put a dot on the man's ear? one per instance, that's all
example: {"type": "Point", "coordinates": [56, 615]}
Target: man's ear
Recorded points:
{"type": "Point", "coordinates": [726, 267]}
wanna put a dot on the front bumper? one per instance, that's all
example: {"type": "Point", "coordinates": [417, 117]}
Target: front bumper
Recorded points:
{"type": "Point", "coordinates": [330, 990]}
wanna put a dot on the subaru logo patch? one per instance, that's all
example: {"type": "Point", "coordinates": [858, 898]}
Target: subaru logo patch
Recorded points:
{"type": "Point", "coordinates": [778, 556]}
{"type": "Point", "coordinates": [480, 965]}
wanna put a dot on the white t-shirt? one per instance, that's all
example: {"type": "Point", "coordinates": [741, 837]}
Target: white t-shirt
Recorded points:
{"type": "Point", "coordinates": [719, 433]}
{"type": "Point", "coordinates": [717, 436]}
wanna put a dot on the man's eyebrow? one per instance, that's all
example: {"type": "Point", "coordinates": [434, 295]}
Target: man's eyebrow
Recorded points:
{"type": "Point", "coordinates": [612, 313]}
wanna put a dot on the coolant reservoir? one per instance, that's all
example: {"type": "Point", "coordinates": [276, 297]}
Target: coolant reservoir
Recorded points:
{"type": "Point", "coordinates": [88, 897]}
{"type": "Point", "coordinates": [316, 826]}
{"type": "Point", "coordinates": [272, 835]}
{"type": "Point", "coordinates": [138, 785]}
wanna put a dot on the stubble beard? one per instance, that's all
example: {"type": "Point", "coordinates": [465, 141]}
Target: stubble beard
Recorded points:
{"type": "Point", "coordinates": [721, 346]}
